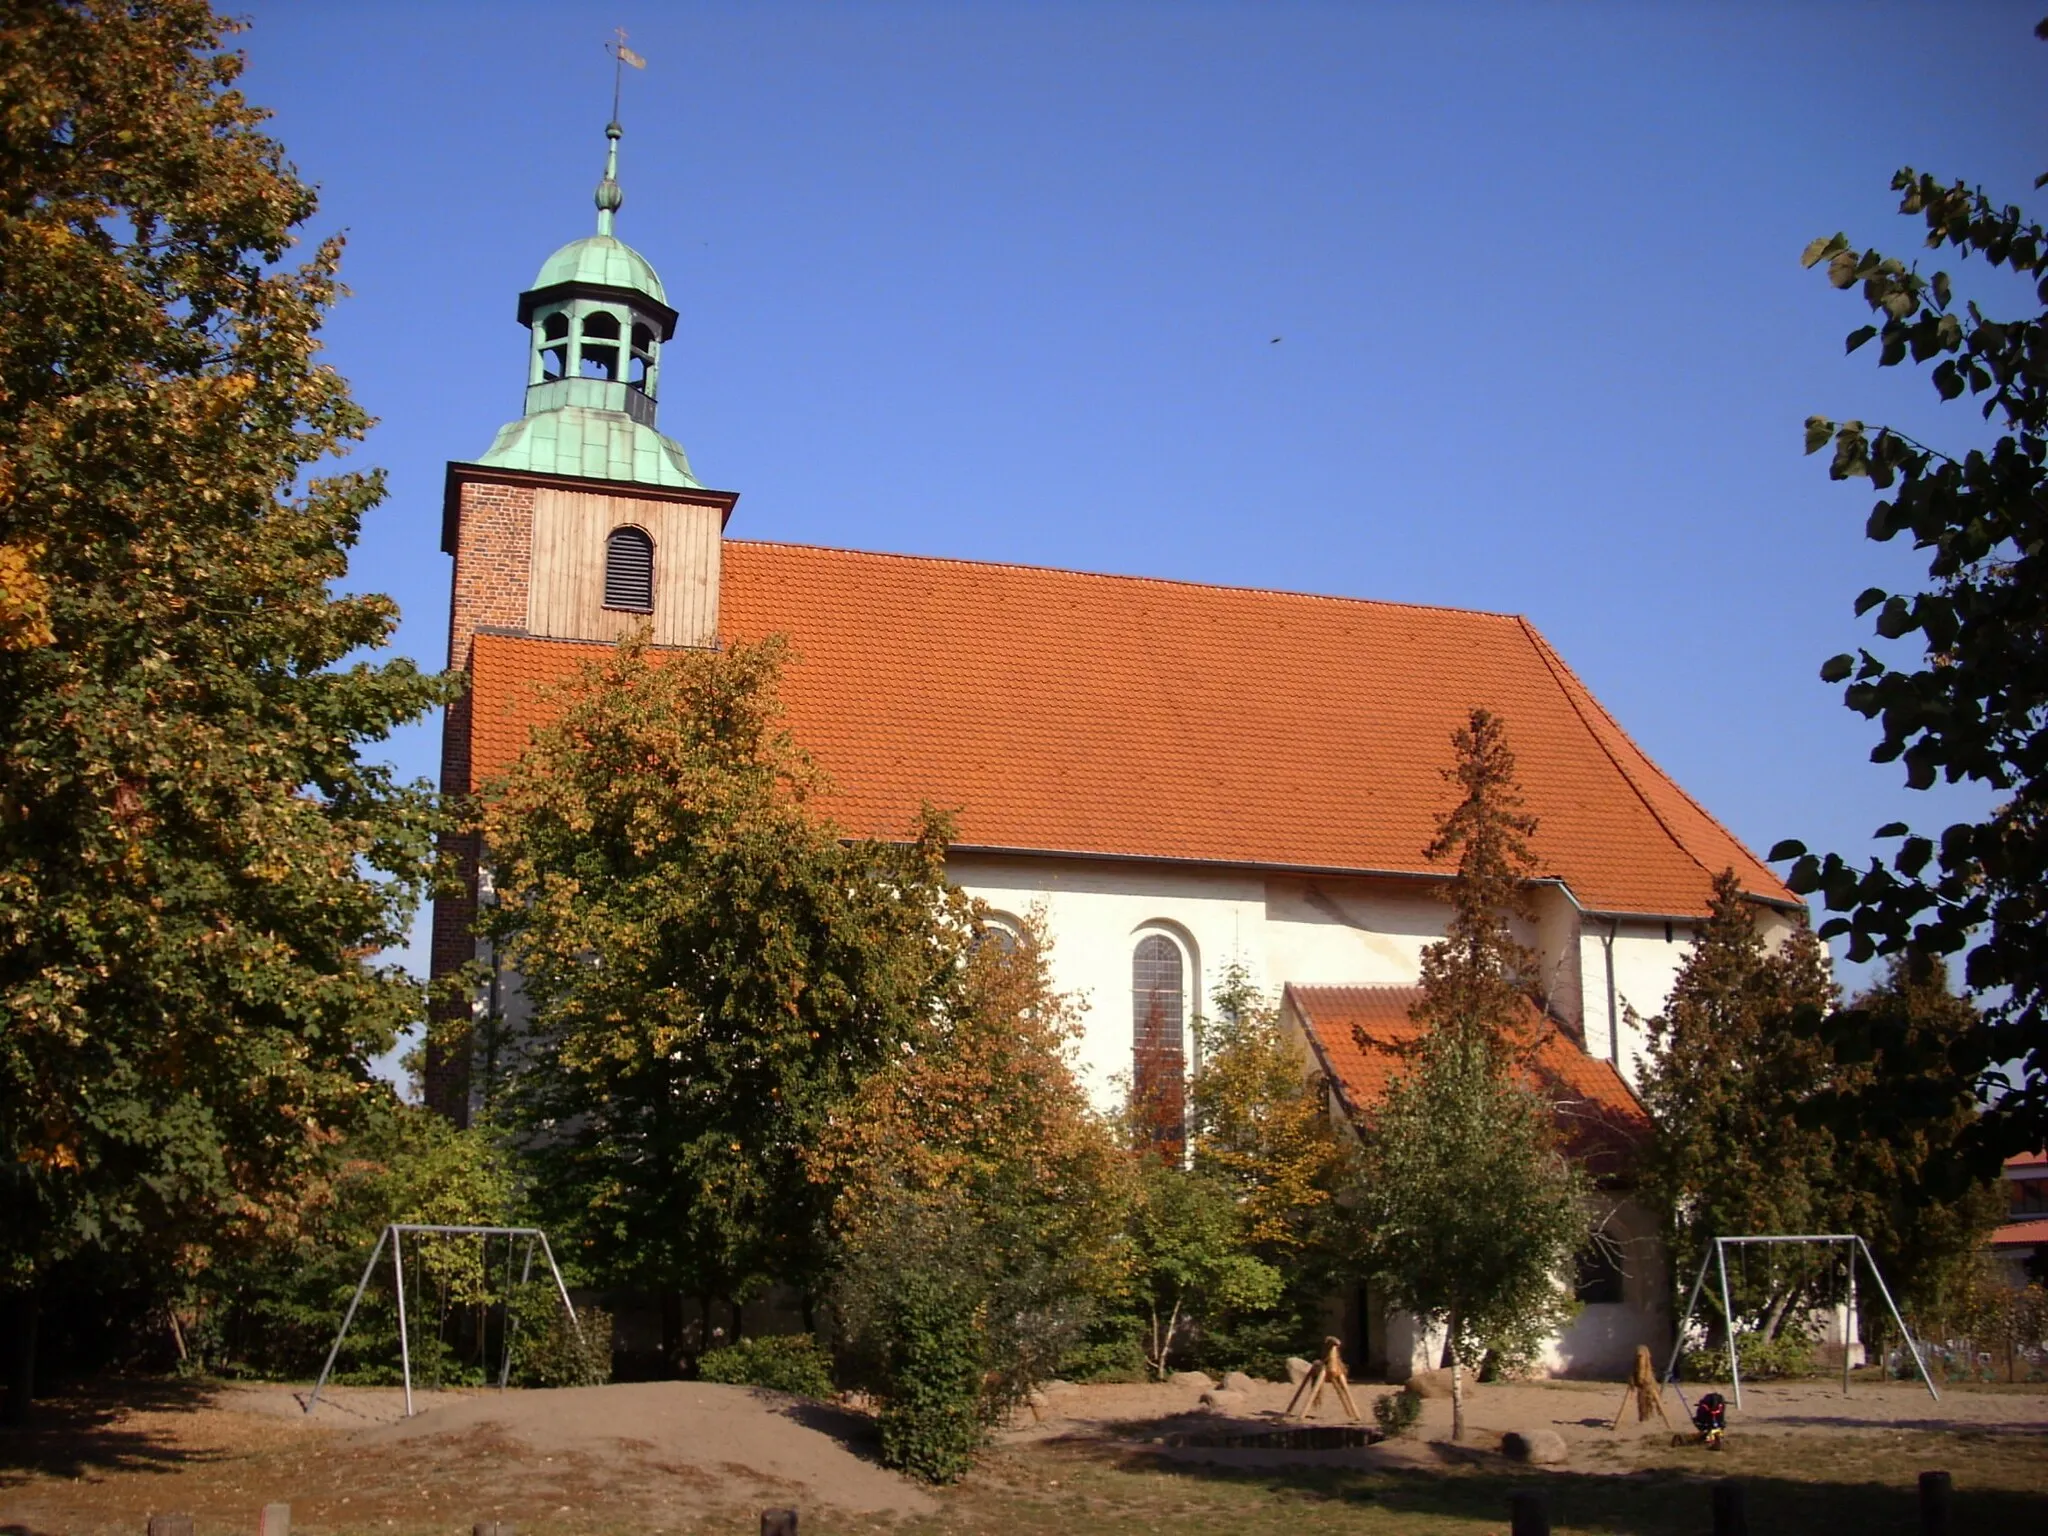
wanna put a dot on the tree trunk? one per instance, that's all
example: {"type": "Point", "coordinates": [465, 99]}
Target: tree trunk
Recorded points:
{"type": "Point", "coordinates": [1457, 1381]}
{"type": "Point", "coordinates": [21, 1314]}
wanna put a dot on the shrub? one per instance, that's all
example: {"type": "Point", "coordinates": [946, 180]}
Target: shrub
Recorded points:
{"type": "Point", "coordinates": [1396, 1413]}
{"type": "Point", "coordinates": [789, 1362]}
{"type": "Point", "coordinates": [1761, 1359]}
{"type": "Point", "coordinates": [547, 1351]}
{"type": "Point", "coordinates": [931, 1418]}
{"type": "Point", "coordinates": [1120, 1359]}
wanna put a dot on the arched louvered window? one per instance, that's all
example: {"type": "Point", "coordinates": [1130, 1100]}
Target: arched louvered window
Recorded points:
{"type": "Point", "coordinates": [1158, 1049]}
{"type": "Point", "coordinates": [629, 571]}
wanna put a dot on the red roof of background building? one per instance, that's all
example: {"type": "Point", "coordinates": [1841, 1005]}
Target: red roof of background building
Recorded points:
{"type": "Point", "coordinates": [2015, 1233]}
{"type": "Point", "coordinates": [1360, 1034]}
{"type": "Point", "coordinates": [1057, 711]}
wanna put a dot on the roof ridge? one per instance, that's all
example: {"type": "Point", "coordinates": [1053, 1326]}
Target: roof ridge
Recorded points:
{"type": "Point", "coordinates": [1578, 691]}
{"type": "Point", "coordinates": [1154, 581]}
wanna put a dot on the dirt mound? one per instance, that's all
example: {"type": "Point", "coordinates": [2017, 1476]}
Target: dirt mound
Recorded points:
{"type": "Point", "coordinates": [744, 1443]}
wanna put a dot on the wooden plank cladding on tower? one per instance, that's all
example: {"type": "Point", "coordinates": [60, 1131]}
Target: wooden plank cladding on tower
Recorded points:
{"type": "Point", "coordinates": [571, 534]}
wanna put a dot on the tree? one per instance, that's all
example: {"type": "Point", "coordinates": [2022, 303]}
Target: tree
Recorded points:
{"type": "Point", "coordinates": [1261, 1126]}
{"type": "Point", "coordinates": [711, 968]}
{"type": "Point", "coordinates": [1190, 1256]}
{"type": "Point", "coordinates": [1909, 1173]}
{"type": "Point", "coordinates": [1974, 709]}
{"type": "Point", "coordinates": [1479, 977]}
{"type": "Point", "coordinates": [1469, 1209]}
{"type": "Point", "coordinates": [975, 1193]}
{"type": "Point", "coordinates": [196, 863]}
{"type": "Point", "coordinates": [1733, 1059]}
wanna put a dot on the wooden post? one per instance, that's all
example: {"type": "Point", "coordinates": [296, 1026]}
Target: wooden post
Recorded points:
{"type": "Point", "coordinates": [1526, 1514]}
{"type": "Point", "coordinates": [1935, 1491]}
{"type": "Point", "coordinates": [170, 1525]}
{"type": "Point", "coordinates": [1731, 1514]}
{"type": "Point", "coordinates": [276, 1520]}
{"type": "Point", "coordinates": [494, 1528]}
{"type": "Point", "coordinates": [778, 1522]}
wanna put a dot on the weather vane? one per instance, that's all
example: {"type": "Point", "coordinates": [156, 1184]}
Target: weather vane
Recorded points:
{"type": "Point", "coordinates": [621, 57]}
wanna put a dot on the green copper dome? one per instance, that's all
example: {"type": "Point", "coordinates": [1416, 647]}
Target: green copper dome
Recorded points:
{"type": "Point", "coordinates": [598, 317]}
{"type": "Point", "coordinates": [605, 260]}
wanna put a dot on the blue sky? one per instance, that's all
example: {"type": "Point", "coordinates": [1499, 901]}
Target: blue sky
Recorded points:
{"type": "Point", "coordinates": [1001, 281]}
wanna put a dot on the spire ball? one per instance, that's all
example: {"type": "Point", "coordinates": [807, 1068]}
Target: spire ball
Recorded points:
{"type": "Point", "coordinates": [611, 197]}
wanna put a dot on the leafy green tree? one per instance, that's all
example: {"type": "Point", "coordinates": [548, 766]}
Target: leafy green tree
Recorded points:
{"type": "Point", "coordinates": [1974, 707]}
{"type": "Point", "coordinates": [1908, 1172]}
{"type": "Point", "coordinates": [1191, 1258]}
{"type": "Point", "coordinates": [980, 1120]}
{"type": "Point", "coordinates": [1469, 1210]}
{"type": "Point", "coordinates": [1734, 1058]}
{"type": "Point", "coordinates": [196, 862]}
{"type": "Point", "coordinates": [1261, 1127]}
{"type": "Point", "coordinates": [712, 969]}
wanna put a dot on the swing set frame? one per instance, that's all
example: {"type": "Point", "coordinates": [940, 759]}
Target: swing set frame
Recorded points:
{"type": "Point", "coordinates": [394, 1233]}
{"type": "Point", "coordinates": [1717, 1255]}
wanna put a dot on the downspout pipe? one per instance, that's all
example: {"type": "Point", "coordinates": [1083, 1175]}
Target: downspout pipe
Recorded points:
{"type": "Point", "coordinates": [1613, 1010]}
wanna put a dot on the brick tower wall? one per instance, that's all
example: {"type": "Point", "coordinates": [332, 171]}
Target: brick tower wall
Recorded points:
{"type": "Point", "coordinates": [493, 560]}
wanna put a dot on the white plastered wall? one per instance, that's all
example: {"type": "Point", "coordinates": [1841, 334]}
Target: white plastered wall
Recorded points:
{"type": "Point", "coordinates": [1280, 928]}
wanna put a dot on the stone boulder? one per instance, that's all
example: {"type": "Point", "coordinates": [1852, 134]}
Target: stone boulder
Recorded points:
{"type": "Point", "coordinates": [1538, 1447]}
{"type": "Point", "coordinates": [1438, 1384]}
{"type": "Point", "coordinates": [1237, 1381]}
{"type": "Point", "coordinates": [1297, 1370]}
{"type": "Point", "coordinates": [1227, 1403]}
{"type": "Point", "coordinates": [1191, 1379]}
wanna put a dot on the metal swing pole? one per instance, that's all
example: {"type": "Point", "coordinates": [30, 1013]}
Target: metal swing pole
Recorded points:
{"type": "Point", "coordinates": [1904, 1332]}
{"type": "Point", "coordinates": [404, 1347]}
{"type": "Point", "coordinates": [1678, 1339]}
{"type": "Point", "coordinates": [1728, 1313]}
{"type": "Point", "coordinates": [574, 1322]}
{"type": "Point", "coordinates": [347, 1318]}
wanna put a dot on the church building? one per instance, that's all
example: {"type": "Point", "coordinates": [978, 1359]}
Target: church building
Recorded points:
{"type": "Point", "coordinates": [1172, 777]}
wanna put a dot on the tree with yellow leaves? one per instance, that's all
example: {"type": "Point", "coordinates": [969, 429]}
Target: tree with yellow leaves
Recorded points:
{"type": "Point", "coordinates": [197, 864]}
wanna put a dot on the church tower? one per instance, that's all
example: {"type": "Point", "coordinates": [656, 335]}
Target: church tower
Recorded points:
{"type": "Point", "coordinates": [581, 521]}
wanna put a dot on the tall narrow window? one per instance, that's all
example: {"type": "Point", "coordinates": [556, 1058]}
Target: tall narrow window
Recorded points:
{"type": "Point", "coordinates": [1159, 1055]}
{"type": "Point", "coordinates": [629, 571]}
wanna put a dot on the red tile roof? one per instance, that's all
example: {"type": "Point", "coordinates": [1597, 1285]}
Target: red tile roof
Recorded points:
{"type": "Point", "coordinates": [2013, 1234]}
{"type": "Point", "coordinates": [1057, 711]}
{"type": "Point", "coordinates": [2027, 1160]}
{"type": "Point", "coordinates": [1360, 1033]}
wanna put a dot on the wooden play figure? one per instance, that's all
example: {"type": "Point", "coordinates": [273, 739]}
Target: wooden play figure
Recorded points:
{"type": "Point", "coordinates": [1328, 1371]}
{"type": "Point", "coordinates": [1643, 1387]}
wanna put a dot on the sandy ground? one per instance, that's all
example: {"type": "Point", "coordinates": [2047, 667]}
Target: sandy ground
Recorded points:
{"type": "Point", "coordinates": [663, 1456]}
{"type": "Point", "coordinates": [755, 1445]}
{"type": "Point", "coordinates": [1581, 1412]}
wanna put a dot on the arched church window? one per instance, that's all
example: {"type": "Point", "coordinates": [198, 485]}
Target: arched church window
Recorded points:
{"type": "Point", "coordinates": [600, 360]}
{"type": "Point", "coordinates": [1158, 1045]}
{"type": "Point", "coordinates": [629, 571]}
{"type": "Point", "coordinates": [1001, 930]}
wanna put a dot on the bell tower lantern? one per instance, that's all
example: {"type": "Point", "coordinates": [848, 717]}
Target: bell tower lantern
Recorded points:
{"type": "Point", "coordinates": [582, 520]}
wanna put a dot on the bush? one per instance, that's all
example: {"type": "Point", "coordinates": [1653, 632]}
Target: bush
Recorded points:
{"type": "Point", "coordinates": [1761, 1359]}
{"type": "Point", "coordinates": [789, 1362]}
{"type": "Point", "coordinates": [1396, 1413]}
{"type": "Point", "coordinates": [547, 1351]}
{"type": "Point", "coordinates": [931, 1417]}
{"type": "Point", "coordinates": [1115, 1359]}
